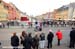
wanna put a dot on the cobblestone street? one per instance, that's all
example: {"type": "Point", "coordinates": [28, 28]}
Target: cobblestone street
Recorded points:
{"type": "Point", "coordinates": [5, 35]}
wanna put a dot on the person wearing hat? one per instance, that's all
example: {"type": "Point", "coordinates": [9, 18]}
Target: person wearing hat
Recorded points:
{"type": "Point", "coordinates": [50, 39]}
{"type": "Point", "coordinates": [15, 41]}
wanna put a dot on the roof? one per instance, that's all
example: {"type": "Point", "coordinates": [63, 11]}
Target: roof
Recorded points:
{"type": "Point", "coordinates": [63, 8]}
{"type": "Point", "coordinates": [72, 5]}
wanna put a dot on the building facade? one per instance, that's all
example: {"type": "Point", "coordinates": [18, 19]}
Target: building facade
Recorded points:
{"type": "Point", "coordinates": [61, 13]}
{"type": "Point", "coordinates": [8, 12]}
{"type": "Point", "coordinates": [3, 12]}
{"type": "Point", "coordinates": [71, 11]}
{"type": "Point", "coordinates": [44, 17]}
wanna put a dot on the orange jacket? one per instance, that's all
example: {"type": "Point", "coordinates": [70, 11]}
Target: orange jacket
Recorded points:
{"type": "Point", "coordinates": [59, 35]}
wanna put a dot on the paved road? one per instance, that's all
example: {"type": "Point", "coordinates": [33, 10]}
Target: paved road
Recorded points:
{"type": "Point", "coordinates": [6, 33]}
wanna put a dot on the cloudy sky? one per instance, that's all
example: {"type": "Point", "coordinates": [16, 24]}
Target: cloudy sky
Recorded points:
{"type": "Point", "coordinates": [38, 7]}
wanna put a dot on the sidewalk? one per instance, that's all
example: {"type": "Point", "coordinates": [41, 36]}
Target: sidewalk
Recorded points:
{"type": "Point", "coordinates": [12, 27]}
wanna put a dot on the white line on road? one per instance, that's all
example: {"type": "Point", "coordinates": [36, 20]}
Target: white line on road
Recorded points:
{"type": "Point", "coordinates": [11, 47]}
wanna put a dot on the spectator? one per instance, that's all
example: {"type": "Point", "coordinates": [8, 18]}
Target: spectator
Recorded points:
{"type": "Point", "coordinates": [3, 25]}
{"type": "Point", "coordinates": [0, 46]}
{"type": "Point", "coordinates": [35, 42]}
{"type": "Point", "coordinates": [27, 42]}
{"type": "Point", "coordinates": [50, 39]}
{"type": "Point", "coordinates": [42, 40]}
{"type": "Point", "coordinates": [0, 43]}
{"type": "Point", "coordinates": [72, 38]}
{"type": "Point", "coordinates": [30, 38]}
{"type": "Point", "coordinates": [59, 36]}
{"type": "Point", "coordinates": [22, 37]}
{"type": "Point", "coordinates": [8, 24]}
{"type": "Point", "coordinates": [29, 23]}
{"type": "Point", "coordinates": [15, 41]}
{"type": "Point", "coordinates": [22, 25]}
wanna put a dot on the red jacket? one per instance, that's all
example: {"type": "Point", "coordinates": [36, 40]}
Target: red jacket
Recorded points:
{"type": "Point", "coordinates": [59, 35]}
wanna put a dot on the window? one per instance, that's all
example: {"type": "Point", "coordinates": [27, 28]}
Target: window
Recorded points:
{"type": "Point", "coordinates": [6, 7]}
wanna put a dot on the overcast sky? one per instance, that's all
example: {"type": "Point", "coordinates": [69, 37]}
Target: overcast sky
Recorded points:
{"type": "Point", "coordinates": [37, 7]}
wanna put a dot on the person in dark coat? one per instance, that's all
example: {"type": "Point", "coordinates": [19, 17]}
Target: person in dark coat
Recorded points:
{"type": "Point", "coordinates": [50, 39]}
{"type": "Point", "coordinates": [72, 38]}
{"type": "Point", "coordinates": [35, 42]}
{"type": "Point", "coordinates": [15, 41]}
{"type": "Point", "coordinates": [42, 36]}
{"type": "Point", "coordinates": [27, 42]}
{"type": "Point", "coordinates": [0, 43]}
{"type": "Point", "coordinates": [30, 38]}
{"type": "Point", "coordinates": [22, 37]}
